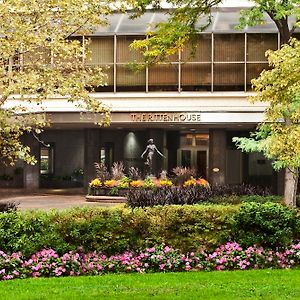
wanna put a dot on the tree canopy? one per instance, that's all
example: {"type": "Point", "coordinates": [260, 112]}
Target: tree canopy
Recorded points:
{"type": "Point", "coordinates": [183, 23]}
{"type": "Point", "coordinates": [278, 137]}
{"type": "Point", "coordinates": [43, 55]}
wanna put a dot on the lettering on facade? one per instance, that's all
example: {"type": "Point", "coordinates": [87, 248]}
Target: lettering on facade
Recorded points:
{"type": "Point", "coordinates": [165, 117]}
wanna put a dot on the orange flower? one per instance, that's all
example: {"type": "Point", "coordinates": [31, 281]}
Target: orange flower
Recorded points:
{"type": "Point", "coordinates": [136, 183]}
{"type": "Point", "coordinates": [203, 182]}
{"type": "Point", "coordinates": [110, 183]}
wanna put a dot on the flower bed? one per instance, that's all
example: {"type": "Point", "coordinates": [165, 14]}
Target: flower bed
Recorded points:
{"type": "Point", "coordinates": [122, 186]}
{"type": "Point", "coordinates": [231, 256]}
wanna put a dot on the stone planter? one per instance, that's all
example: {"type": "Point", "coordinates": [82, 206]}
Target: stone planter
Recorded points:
{"type": "Point", "coordinates": [123, 192]}
{"type": "Point", "coordinates": [99, 192]}
{"type": "Point", "coordinates": [108, 192]}
{"type": "Point", "coordinates": [106, 199]}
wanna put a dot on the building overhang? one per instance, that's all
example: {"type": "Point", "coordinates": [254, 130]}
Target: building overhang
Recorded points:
{"type": "Point", "coordinates": [157, 109]}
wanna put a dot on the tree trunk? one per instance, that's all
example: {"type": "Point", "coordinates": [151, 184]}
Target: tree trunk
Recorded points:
{"type": "Point", "coordinates": [290, 187]}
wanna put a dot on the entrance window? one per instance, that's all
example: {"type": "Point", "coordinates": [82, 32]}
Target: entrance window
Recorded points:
{"type": "Point", "coordinates": [194, 139]}
{"type": "Point", "coordinates": [201, 139]}
{"type": "Point", "coordinates": [47, 159]}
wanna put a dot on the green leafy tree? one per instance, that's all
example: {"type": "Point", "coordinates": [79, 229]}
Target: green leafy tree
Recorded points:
{"type": "Point", "coordinates": [182, 27]}
{"type": "Point", "coordinates": [278, 137]}
{"type": "Point", "coordinates": [40, 58]}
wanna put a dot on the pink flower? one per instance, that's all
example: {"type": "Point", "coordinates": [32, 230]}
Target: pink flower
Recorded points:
{"type": "Point", "coordinates": [167, 249]}
{"type": "Point", "coordinates": [150, 250]}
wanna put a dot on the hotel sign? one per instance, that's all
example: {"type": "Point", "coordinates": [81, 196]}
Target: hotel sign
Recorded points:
{"type": "Point", "coordinates": [182, 117]}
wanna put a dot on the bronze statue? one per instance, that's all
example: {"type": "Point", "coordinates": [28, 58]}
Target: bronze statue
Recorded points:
{"type": "Point", "coordinates": [151, 148]}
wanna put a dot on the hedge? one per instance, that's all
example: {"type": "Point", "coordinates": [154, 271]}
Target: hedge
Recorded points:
{"type": "Point", "coordinates": [115, 230]}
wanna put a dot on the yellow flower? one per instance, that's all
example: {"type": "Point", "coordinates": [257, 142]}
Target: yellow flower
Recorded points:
{"type": "Point", "coordinates": [190, 182]}
{"type": "Point", "coordinates": [96, 183]}
{"type": "Point", "coordinates": [165, 182]}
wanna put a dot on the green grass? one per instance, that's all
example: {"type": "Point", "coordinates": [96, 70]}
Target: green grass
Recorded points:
{"type": "Point", "coordinates": [258, 284]}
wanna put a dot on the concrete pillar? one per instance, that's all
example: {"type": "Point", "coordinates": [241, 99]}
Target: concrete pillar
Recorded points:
{"type": "Point", "coordinates": [158, 137]}
{"type": "Point", "coordinates": [217, 156]}
{"type": "Point", "coordinates": [173, 141]}
{"type": "Point", "coordinates": [31, 173]}
{"type": "Point", "coordinates": [91, 153]}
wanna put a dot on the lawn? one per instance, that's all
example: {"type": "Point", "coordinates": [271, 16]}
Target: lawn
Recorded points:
{"type": "Point", "coordinates": [255, 284]}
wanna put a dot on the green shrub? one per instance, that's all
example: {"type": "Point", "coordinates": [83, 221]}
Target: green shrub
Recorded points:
{"type": "Point", "coordinates": [262, 199]}
{"type": "Point", "coordinates": [225, 199]}
{"type": "Point", "coordinates": [239, 199]}
{"type": "Point", "coordinates": [116, 230]}
{"type": "Point", "coordinates": [268, 224]}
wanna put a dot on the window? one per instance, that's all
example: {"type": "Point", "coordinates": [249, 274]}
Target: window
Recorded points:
{"type": "Point", "coordinates": [47, 159]}
{"type": "Point", "coordinates": [257, 45]}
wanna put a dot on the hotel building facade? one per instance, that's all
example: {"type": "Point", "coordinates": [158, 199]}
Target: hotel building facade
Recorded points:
{"type": "Point", "coordinates": [191, 106]}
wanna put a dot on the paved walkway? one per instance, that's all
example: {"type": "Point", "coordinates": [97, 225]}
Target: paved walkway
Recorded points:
{"type": "Point", "coordinates": [48, 199]}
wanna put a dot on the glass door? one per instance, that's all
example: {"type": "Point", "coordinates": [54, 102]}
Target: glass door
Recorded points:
{"type": "Point", "coordinates": [193, 152]}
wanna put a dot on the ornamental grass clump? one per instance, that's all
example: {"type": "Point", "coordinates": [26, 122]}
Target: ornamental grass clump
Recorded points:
{"type": "Point", "coordinates": [162, 258]}
{"type": "Point", "coordinates": [183, 174]}
{"type": "Point", "coordinates": [117, 170]}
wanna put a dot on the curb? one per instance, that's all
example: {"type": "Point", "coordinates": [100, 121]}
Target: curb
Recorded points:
{"type": "Point", "coordinates": [106, 199]}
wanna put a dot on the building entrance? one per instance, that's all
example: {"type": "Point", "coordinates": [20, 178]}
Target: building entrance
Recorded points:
{"type": "Point", "coordinates": [193, 152]}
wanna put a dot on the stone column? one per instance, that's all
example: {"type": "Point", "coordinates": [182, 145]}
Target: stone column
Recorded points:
{"type": "Point", "coordinates": [91, 153]}
{"type": "Point", "coordinates": [158, 137]}
{"type": "Point", "coordinates": [173, 141]}
{"type": "Point", "coordinates": [217, 156]}
{"type": "Point", "coordinates": [31, 173]}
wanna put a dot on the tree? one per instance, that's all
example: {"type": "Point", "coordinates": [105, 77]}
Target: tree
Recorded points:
{"type": "Point", "coordinates": [182, 24]}
{"type": "Point", "coordinates": [43, 55]}
{"type": "Point", "coordinates": [278, 137]}
{"type": "Point", "coordinates": [275, 140]}
{"type": "Point", "coordinates": [184, 17]}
